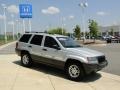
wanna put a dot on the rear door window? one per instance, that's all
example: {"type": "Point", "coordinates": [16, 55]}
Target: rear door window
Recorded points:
{"type": "Point", "coordinates": [37, 40]}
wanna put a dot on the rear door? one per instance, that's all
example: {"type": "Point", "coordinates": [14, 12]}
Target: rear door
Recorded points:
{"type": "Point", "coordinates": [35, 47]}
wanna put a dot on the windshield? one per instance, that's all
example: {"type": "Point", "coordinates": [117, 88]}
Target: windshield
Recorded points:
{"type": "Point", "coordinates": [68, 42]}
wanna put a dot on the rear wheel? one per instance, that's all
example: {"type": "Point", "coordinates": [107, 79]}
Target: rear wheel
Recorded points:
{"type": "Point", "coordinates": [26, 60]}
{"type": "Point", "coordinates": [74, 71]}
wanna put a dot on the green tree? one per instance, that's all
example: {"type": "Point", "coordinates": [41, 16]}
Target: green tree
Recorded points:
{"type": "Point", "coordinates": [112, 31]}
{"type": "Point", "coordinates": [58, 30]}
{"type": "Point", "coordinates": [77, 32]}
{"type": "Point", "coordinates": [93, 27]}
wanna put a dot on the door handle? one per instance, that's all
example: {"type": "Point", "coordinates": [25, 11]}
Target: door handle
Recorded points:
{"type": "Point", "coordinates": [44, 49]}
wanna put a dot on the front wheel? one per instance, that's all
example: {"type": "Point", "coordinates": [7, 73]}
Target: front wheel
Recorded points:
{"type": "Point", "coordinates": [74, 71]}
{"type": "Point", "coordinates": [26, 60]}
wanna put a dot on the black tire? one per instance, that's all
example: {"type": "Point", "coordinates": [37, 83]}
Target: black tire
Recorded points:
{"type": "Point", "coordinates": [93, 72]}
{"type": "Point", "coordinates": [78, 67]}
{"type": "Point", "coordinates": [28, 62]}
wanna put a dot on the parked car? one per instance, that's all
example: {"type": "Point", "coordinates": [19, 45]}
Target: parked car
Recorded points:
{"type": "Point", "coordinates": [61, 52]}
{"type": "Point", "coordinates": [108, 37]}
{"type": "Point", "coordinates": [116, 39]}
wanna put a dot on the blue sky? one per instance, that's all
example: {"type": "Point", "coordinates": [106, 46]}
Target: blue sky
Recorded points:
{"type": "Point", "coordinates": [105, 12]}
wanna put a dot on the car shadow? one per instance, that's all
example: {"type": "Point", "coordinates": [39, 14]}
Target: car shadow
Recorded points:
{"type": "Point", "coordinates": [59, 73]}
{"type": "Point", "coordinates": [91, 77]}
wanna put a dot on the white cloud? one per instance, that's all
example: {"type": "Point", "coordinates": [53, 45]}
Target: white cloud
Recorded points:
{"type": "Point", "coordinates": [2, 17]}
{"type": "Point", "coordinates": [101, 13]}
{"type": "Point", "coordinates": [13, 9]}
{"type": "Point", "coordinates": [51, 10]}
{"type": "Point", "coordinates": [71, 17]}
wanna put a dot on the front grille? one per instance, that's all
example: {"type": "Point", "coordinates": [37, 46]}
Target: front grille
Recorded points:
{"type": "Point", "coordinates": [101, 59]}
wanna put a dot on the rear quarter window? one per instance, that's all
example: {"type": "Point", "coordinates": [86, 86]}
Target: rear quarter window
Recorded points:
{"type": "Point", "coordinates": [25, 38]}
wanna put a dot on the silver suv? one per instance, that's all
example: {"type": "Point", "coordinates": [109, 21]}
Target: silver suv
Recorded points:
{"type": "Point", "coordinates": [61, 52]}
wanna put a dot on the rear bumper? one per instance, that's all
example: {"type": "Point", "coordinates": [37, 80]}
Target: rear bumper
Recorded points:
{"type": "Point", "coordinates": [18, 51]}
{"type": "Point", "coordinates": [94, 67]}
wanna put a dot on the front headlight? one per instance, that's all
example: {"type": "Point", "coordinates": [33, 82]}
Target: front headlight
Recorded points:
{"type": "Point", "coordinates": [92, 60]}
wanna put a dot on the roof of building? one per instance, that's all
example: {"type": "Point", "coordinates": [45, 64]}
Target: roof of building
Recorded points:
{"type": "Point", "coordinates": [116, 28]}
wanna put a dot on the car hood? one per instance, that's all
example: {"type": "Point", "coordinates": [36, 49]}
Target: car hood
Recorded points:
{"type": "Point", "coordinates": [85, 52]}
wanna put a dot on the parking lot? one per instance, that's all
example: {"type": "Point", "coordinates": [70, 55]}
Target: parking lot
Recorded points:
{"type": "Point", "coordinates": [112, 52]}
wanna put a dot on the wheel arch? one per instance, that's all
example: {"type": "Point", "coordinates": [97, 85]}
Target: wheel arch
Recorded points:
{"type": "Point", "coordinates": [75, 61]}
{"type": "Point", "coordinates": [24, 52]}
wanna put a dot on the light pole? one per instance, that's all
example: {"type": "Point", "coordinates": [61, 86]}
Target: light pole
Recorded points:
{"type": "Point", "coordinates": [83, 6]}
{"type": "Point", "coordinates": [20, 26]}
{"type": "Point", "coordinates": [13, 29]}
{"type": "Point", "coordinates": [4, 7]}
{"type": "Point", "coordinates": [17, 28]}
{"type": "Point", "coordinates": [29, 25]}
{"type": "Point", "coordinates": [63, 19]}
{"type": "Point", "coordinates": [23, 26]}
{"type": "Point", "coordinates": [13, 25]}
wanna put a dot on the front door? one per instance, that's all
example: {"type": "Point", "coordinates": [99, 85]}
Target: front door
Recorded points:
{"type": "Point", "coordinates": [52, 51]}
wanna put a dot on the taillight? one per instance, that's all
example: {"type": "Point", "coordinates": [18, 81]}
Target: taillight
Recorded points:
{"type": "Point", "coordinates": [16, 44]}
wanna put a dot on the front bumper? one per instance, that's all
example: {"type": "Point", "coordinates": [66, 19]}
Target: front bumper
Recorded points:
{"type": "Point", "coordinates": [94, 67]}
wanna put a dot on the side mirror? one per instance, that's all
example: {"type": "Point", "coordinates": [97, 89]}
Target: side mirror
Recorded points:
{"type": "Point", "coordinates": [56, 47]}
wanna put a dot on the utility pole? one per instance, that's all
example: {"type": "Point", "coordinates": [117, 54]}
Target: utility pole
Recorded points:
{"type": "Point", "coordinates": [29, 25]}
{"type": "Point", "coordinates": [83, 5]}
{"type": "Point", "coordinates": [23, 26]}
{"type": "Point", "coordinates": [13, 26]}
{"type": "Point", "coordinates": [5, 35]}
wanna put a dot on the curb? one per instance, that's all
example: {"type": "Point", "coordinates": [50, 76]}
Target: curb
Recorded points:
{"type": "Point", "coordinates": [111, 76]}
{"type": "Point", "coordinates": [5, 45]}
{"type": "Point", "coordinates": [99, 45]}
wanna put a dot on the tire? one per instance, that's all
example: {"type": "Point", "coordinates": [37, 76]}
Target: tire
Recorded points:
{"type": "Point", "coordinates": [93, 72]}
{"type": "Point", "coordinates": [74, 71]}
{"type": "Point", "coordinates": [26, 60]}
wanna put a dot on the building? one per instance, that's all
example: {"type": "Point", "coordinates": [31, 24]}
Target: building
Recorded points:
{"type": "Point", "coordinates": [106, 30]}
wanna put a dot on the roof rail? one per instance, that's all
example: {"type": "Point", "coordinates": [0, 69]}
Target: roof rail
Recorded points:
{"type": "Point", "coordinates": [35, 32]}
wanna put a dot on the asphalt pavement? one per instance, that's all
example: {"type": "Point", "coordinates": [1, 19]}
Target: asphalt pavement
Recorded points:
{"type": "Point", "coordinates": [112, 52]}
{"type": "Point", "coordinates": [9, 49]}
